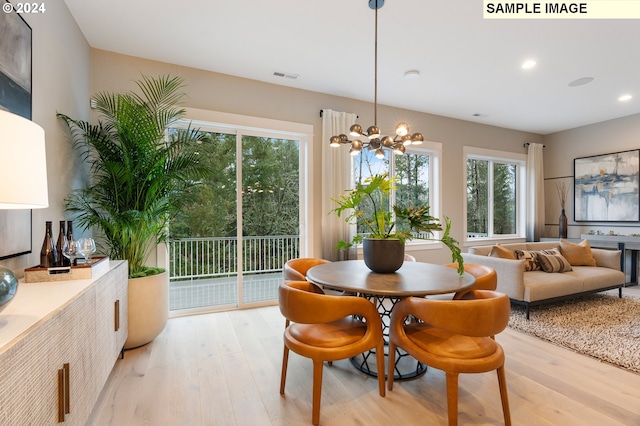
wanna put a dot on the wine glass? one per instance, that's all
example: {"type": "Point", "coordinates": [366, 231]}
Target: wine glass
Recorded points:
{"type": "Point", "coordinates": [71, 251]}
{"type": "Point", "coordinates": [86, 247]}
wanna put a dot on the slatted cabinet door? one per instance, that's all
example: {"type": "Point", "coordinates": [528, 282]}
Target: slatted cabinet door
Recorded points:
{"type": "Point", "coordinates": [28, 378]}
{"type": "Point", "coordinates": [35, 386]}
{"type": "Point", "coordinates": [111, 322]}
{"type": "Point", "coordinates": [75, 347]}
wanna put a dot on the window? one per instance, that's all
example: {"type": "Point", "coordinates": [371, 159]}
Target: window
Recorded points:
{"type": "Point", "coordinates": [417, 173]}
{"type": "Point", "coordinates": [227, 246]}
{"type": "Point", "coordinates": [495, 203]}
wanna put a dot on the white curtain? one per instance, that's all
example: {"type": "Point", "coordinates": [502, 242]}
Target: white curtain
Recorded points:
{"type": "Point", "coordinates": [336, 178]}
{"type": "Point", "coordinates": [535, 192]}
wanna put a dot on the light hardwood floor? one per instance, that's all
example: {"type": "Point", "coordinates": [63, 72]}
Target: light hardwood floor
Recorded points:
{"type": "Point", "coordinates": [224, 369]}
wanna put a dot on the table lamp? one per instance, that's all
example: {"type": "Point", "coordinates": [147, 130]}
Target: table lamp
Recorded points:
{"type": "Point", "coordinates": [23, 178]}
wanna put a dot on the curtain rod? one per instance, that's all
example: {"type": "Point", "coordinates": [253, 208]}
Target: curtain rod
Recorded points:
{"type": "Point", "coordinates": [528, 143]}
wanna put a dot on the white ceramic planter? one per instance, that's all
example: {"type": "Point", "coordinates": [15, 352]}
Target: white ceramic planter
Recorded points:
{"type": "Point", "coordinates": [148, 309]}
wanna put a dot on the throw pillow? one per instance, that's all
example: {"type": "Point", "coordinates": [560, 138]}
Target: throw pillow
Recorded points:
{"type": "Point", "coordinates": [530, 258]}
{"type": "Point", "coordinates": [502, 252]}
{"type": "Point", "coordinates": [553, 263]}
{"type": "Point", "coordinates": [577, 254]}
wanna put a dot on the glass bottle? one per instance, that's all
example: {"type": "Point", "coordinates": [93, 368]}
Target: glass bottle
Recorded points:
{"type": "Point", "coordinates": [70, 236]}
{"type": "Point", "coordinates": [62, 241]}
{"type": "Point", "coordinates": [48, 254]}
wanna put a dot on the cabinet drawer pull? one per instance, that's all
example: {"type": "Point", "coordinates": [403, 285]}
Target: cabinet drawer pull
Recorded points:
{"type": "Point", "coordinates": [61, 398]}
{"type": "Point", "coordinates": [67, 396]}
{"type": "Point", "coordinates": [117, 315]}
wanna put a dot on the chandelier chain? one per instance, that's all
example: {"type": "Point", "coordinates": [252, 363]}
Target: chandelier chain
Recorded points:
{"type": "Point", "coordinates": [375, 76]}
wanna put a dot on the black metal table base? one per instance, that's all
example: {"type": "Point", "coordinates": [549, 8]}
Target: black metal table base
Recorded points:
{"type": "Point", "coordinates": [406, 367]}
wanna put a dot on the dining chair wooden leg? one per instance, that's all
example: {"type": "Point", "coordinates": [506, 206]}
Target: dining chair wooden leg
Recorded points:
{"type": "Point", "coordinates": [283, 375]}
{"type": "Point", "coordinates": [317, 391]}
{"type": "Point", "coordinates": [392, 361]}
{"type": "Point", "coordinates": [452, 398]}
{"type": "Point", "coordinates": [502, 382]}
{"type": "Point", "coordinates": [380, 362]}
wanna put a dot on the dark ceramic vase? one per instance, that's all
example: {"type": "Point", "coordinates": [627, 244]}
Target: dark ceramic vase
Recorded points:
{"type": "Point", "coordinates": [562, 225]}
{"type": "Point", "coordinates": [383, 256]}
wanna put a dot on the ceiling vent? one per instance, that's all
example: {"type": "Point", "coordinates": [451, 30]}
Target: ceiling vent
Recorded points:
{"type": "Point", "coordinates": [285, 75]}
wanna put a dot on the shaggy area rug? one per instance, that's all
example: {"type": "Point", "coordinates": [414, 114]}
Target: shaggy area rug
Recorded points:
{"type": "Point", "coordinates": [602, 326]}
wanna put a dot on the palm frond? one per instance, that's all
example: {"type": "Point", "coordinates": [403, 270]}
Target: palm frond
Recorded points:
{"type": "Point", "coordinates": [138, 177]}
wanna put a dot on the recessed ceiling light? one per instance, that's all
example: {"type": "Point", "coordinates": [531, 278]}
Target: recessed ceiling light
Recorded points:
{"type": "Point", "coordinates": [528, 64]}
{"type": "Point", "coordinates": [624, 98]}
{"type": "Point", "coordinates": [412, 74]}
{"type": "Point", "coordinates": [581, 81]}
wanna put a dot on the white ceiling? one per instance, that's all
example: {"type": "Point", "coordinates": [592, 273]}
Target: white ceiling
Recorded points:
{"type": "Point", "coordinates": [468, 65]}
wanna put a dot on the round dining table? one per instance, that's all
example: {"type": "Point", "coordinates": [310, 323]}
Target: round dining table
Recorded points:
{"type": "Point", "coordinates": [384, 291]}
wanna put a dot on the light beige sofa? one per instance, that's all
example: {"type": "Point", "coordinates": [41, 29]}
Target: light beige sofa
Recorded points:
{"type": "Point", "coordinates": [532, 288]}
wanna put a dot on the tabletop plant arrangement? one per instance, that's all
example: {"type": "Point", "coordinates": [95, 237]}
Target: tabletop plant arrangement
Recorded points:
{"type": "Point", "coordinates": [365, 206]}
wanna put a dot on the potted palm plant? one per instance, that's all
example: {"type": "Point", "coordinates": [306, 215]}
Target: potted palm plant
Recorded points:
{"type": "Point", "coordinates": [387, 232]}
{"type": "Point", "coordinates": [140, 174]}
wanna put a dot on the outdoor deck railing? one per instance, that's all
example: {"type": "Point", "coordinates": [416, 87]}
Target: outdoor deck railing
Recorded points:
{"type": "Point", "coordinates": [217, 256]}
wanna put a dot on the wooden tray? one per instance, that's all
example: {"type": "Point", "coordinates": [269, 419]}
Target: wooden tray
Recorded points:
{"type": "Point", "coordinates": [99, 265]}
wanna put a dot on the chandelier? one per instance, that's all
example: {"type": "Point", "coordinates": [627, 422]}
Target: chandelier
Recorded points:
{"type": "Point", "coordinates": [375, 141]}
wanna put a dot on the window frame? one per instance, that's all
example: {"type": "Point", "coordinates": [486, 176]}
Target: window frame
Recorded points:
{"type": "Point", "coordinates": [242, 125]}
{"type": "Point", "coordinates": [503, 157]}
{"type": "Point", "coordinates": [434, 151]}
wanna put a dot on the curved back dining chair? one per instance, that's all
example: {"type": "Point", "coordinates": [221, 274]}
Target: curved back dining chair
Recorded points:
{"type": "Point", "coordinates": [486, 278]}
{"type": "Point", "coordinates": [324, 328]}
{"type": "Point", "coordinates": [296, 269]}
{"type": "Point", "coordinates": [409, 258]}
{"type": "Point", "coordinates": [455, 336]}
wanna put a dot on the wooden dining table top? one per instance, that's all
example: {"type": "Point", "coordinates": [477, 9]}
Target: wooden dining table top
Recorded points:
{"type": "Point", "coordinates": [412, 279]}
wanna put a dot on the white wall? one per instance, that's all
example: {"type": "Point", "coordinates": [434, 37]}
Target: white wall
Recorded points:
{"type": "Point", "coordinates": [563, 147]}
{"type": "Point", "coordinates": [218, 92]}
{"type": "Point", "coordinates": [60, 83]}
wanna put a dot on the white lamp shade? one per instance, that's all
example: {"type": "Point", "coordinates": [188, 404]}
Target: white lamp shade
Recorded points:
{"type": "Point", "coordinates": [23, 164]}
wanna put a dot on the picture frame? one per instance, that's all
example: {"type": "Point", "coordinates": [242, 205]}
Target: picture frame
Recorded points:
{"type": "Point", "coordinates": [606, 187]}
{"type": "Point", "coordinates": [15, 97]}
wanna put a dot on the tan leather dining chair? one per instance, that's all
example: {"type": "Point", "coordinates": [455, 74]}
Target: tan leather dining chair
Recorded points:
{"type": "Point", "coordinates": [296, 269]}
{"type": "Point", "coordinates": [455, 336]}
{"type": "Point", "coordinates": [486, 277]}
{"type": "Point", "coordinates": [323, 328]}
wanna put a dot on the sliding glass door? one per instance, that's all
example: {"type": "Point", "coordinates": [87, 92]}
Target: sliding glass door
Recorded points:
{"type": "Point", "coordinates": [227, 247]}
{"type": "Point", "coordinates": [269, 226]}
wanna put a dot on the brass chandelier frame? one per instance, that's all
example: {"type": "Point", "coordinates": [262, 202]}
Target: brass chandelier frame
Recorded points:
{"type": "Point", "coordinates": [374, 139]}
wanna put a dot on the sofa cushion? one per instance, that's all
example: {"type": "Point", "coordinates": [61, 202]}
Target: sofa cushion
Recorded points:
{"type": "Point", "coordinates": [553, 263]}
{"type": "Point", "coordinates": [577, 254]}
{"type": "Point", "coordinates": [596, 278]}
{"type": "Point", "coordinates": [539, 285]}
{"type": "Point", "coordinates": [502, 252]}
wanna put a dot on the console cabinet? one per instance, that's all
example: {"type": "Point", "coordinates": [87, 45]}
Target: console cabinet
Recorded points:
{"type": "Point", "coordinates": [58, 344]}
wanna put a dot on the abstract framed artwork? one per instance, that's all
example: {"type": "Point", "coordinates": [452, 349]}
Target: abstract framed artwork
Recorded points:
{"type": "Point", "coordinates": [606, 187]}
{"type": "Point", "coordinates": [15, 97]}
